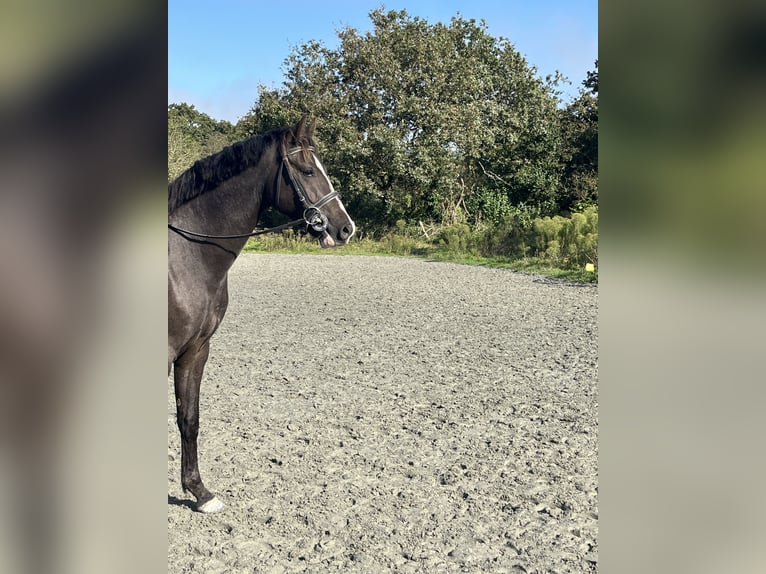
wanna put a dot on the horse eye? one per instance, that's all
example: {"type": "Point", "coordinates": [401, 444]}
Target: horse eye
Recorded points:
{"type": "Point", "coordinates": [309, 172]}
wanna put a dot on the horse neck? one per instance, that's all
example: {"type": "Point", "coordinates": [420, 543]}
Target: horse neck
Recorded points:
{"type": "Point", "coordinates": [234, 207]}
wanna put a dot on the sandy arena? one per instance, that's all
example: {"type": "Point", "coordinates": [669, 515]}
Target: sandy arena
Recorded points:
{"type": "Point", "coordinates": [373, 414]}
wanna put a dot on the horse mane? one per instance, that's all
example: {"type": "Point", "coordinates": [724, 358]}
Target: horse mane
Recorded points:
{"type": "Point", "coordinates": [208, 173]}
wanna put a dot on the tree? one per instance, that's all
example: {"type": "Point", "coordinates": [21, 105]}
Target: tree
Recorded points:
{"type": "Point", "coordinates": [579, 180]}
{"type": "Point", "coordinates": [423, 120]}
{"type": "Point", "coordinates": [193, 134]}
{"type": "Point", "coordinates": [183, 147]}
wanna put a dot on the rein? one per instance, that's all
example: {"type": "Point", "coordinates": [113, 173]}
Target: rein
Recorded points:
{"type": "Point", "coordinates": [287, 225]}
{"type": "Point", "coordinates": [312, 216]}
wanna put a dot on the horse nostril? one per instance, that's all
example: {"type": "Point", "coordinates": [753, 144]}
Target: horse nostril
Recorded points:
{"type": "Point", "coordinates": [345, 232]}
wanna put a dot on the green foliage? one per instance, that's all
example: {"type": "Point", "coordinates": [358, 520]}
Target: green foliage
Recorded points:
{"type": "Point", "coordinates": [206, 132]}
{"type": "Point", "coordinates": [557, 246]}
{"type": "Point", "coordinates": [564, 242]}
{"type": "Point", "coordinates": [183, 149]}
{"type": "Point", "coordinates": [568, 242]}
{"type": "Point", "coordinates": [457, 238]}
{"type": "Point", "coordinates": [489, 205]}
{"type": "Point", "coordinates": [440, 122]}
{"type": "Point", "coordinates": [434, 122]}
{"type": "Point", "coordinates": [579, 151]}
{"type": "Point", "coordinates": [192, 135]}
{"type": "Point", "coordinates": [268, 113]}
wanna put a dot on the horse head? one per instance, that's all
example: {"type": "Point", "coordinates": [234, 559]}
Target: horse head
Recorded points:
{"type": "Point", "coordinates": [313, 195]}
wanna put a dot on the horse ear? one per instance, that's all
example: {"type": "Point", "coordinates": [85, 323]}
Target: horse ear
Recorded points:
{"type": "Point", "coordinates": [312, 127]}
{"type": "Point", "coordinates": [300, 127]}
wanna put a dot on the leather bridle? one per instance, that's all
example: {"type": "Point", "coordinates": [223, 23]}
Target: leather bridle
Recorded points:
{"type": "Point", "coordinates": [312, 214]}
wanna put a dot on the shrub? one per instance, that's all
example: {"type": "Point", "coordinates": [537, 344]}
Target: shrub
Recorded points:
{"type": "Point", "coordinates": [568, 242]}
{"type": "Point", "coordinates": [457, 238]}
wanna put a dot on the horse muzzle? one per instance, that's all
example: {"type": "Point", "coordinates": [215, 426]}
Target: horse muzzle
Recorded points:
{"type": "Point", "coordinates": [326, 240]}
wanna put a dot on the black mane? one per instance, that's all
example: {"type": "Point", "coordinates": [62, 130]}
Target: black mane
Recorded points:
{"type": "Point", "coordinates": [210, 172]}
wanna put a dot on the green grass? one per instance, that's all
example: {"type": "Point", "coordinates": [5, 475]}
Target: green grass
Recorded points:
{"type": "Point", "coordinates": [404, 246]}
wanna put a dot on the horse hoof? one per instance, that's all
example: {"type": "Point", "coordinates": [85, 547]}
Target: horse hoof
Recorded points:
{"type": "Point", "coordinates": [211, 506]}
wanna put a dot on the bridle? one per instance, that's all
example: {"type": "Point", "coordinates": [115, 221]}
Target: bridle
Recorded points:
{"type": "Point", "coordinates": [312, 214]}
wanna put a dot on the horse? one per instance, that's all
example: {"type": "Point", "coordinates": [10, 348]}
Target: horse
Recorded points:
{"type": "Point", "coordinates": [211, 208]}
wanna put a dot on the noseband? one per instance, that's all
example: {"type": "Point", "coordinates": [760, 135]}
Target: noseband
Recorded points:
{"type": "Point", "coordinates": [312, 213]}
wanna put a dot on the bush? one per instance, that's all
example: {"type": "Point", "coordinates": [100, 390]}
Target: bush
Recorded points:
{"type": "Point", "coordinates": [564, 243]}
{"type": "Point", "coordinates": [490, 205]}
{"type": "Point", "coordinates": [457, 238]}
{"type": "Point", "coordinates": [568, 242]}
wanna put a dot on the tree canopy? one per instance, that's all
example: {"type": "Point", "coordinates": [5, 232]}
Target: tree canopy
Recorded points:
{"type": "Point", "coordinates": [440, 122]}
{"type": "Point", "coordinates": [193, 134]}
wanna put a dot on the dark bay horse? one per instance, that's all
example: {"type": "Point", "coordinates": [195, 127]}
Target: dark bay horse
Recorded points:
{"type": "Point", "coordinates": [212, 207]}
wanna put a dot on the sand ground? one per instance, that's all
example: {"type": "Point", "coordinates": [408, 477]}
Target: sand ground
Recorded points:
{"type": "Point", "coordinates": [371, 414]}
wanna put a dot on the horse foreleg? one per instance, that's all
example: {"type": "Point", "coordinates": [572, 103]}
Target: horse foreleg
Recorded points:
{"type": "Point", "coordinates": [187, 377]}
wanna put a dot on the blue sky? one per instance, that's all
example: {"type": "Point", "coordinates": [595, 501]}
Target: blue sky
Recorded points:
{"type": "Point", "coordinates": [220, 51]}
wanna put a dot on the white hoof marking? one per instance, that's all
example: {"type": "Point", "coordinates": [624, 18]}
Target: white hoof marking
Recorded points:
{"type": "Point", "coordinates": [211, 506]}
